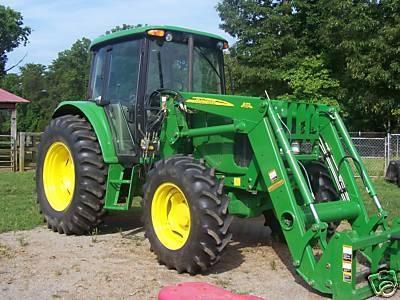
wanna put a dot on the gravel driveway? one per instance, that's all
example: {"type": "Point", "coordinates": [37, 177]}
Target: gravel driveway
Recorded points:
{"type": "Point", "coordinates": [116, 263]}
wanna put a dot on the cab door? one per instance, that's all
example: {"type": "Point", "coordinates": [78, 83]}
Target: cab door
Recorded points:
{"type": "Point", "coordinates": [115, 84]}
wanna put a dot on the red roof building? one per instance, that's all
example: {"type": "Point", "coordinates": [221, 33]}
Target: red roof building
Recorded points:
{"type": "Point", "coordinates": [8, 100]}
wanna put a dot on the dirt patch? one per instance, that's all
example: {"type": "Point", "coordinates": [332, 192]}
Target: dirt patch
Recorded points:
{"type": "Point", "coordinates": [116, 263]}
{"type": "Point", "coordinates": [5, 252]}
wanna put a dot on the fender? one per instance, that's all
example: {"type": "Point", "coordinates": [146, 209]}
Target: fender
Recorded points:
{"type": "Point", "coordinates": [97, 118]}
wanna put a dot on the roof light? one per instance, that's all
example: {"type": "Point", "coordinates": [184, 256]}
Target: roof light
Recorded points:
{"type": "Point", "coordinates": [156, 32]}
{"type": "Point", "coordinates": [169, 37]}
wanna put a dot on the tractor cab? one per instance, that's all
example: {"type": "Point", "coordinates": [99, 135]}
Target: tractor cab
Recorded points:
{"type": "Point", "coordinates": [129, 67]}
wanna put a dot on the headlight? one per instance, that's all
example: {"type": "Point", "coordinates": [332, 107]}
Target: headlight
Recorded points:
{"type": "Point", "coordinates": [296, 147]}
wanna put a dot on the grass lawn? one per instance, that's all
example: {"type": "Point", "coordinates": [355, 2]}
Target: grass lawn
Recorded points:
{"type": "Point", "coordinates": [375, 165]}
{"type": "Point", "coordinates": [18, 208]}
{"type": "Point", "coordinates": [388, 193]}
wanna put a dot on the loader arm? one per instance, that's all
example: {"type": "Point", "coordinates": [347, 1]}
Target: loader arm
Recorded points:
{"type": "Point", "coordinates": [275, 178]}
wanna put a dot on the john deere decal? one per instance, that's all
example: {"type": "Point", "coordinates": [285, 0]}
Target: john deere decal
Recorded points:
{"type": "Point", "coordinates": [208, 101]}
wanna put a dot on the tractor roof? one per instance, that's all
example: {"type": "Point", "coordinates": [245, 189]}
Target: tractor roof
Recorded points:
{"type": "Point", "coordinates": [106, 38]}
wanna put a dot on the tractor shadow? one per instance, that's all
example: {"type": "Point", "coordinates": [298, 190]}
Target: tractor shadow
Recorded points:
{"type": "Point", "coordinates": [244, 235]}
{"type": "Point", "coordinates": [129, 222]}
{"type": "Point", "coordinates": [282, 251]}
{"type": "Point", "coordinates": [248, 235]}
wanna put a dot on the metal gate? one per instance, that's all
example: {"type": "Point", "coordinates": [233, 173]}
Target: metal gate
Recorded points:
{"type": "Point", "coordinates": [7, 152]}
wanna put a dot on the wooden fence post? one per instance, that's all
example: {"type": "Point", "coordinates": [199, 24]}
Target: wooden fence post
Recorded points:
{"type": "Point", "coordinates": [22, 151]}
{"type": "Point", "coordinates": [13, 130]}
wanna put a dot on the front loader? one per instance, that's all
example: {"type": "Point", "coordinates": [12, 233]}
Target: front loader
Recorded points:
{"type": "Point", "coordinates": [158, 124]}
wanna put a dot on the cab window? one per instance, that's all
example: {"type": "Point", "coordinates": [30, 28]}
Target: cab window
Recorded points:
{"type": "Point", "coordinates": [97, 77]}
{"type": "Point", "coordinates": [123, 73]}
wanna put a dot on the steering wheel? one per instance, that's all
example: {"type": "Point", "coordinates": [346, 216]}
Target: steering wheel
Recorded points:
{"type": "Point", "coordinates": [153, 110]}
{"type": "Point", "coordinates": [152, 107]}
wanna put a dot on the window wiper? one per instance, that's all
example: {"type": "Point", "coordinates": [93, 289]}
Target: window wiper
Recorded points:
{"type": "Point", "coordinates": [209, 62]}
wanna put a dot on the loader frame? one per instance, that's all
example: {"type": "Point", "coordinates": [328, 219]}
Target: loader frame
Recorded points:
{"type": "Point", "coordinates": [274, 180]}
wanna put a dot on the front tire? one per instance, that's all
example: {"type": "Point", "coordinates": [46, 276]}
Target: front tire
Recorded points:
{"type": "Point", "coordinates": [185, 214]}
{"type": "Point", "coordinates": [71, 176]}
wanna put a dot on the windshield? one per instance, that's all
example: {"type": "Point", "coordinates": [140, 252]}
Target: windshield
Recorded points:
{"type": "Point", "coordinates": [207, 70]}
{"type": "Point", "coordinates": [169, 67]}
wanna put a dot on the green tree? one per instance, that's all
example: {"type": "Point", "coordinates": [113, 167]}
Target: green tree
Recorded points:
{"type": "Point", "coordinates": [30, 83]}
{"type": "Point", "coordinates": [123, 27]}
{"type": "Point", "coordinates": [353, 43]}
{"type": "Point", "coordinates": [68, 74]}
{"type": "Point", "coordinates": [34, 115]}
{"type": "Point", "coordinates": [66, 78]}
{"type": "Point", "coordinates": [266, 44]}
{"type": "Point", "coordinates": [12, 83]}
{"type": "Point", "coordinates": [360, 40]}
{"type": "Point", "coordinates": [311, 80]}
{"type": "Point", "coordinates": [12, 33]}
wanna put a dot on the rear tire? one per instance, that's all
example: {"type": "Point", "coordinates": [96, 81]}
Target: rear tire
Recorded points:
{"type": "Point", "coordinates": [323, 188]}
{"type": "Point", "coordinates": [273, 224]}
{"type": "Point", "coordinates": [324, 191]}
{"type": "Point", "coordinates": [83, 210]}
{"type": "Point", "coordinates": [198, 243]}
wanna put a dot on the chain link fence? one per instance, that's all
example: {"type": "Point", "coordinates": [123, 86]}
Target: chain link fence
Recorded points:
{"type": "Point", "coordinates": [394, 147]}
{"type": "Point", "coordinates": [377, 149]}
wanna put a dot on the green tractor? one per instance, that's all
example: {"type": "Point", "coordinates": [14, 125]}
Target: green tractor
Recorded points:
{"type": "Point", "coordinates": [158, 124]}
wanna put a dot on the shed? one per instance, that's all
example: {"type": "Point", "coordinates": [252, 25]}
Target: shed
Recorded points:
{"type": "Point", "coordinates": [8, 101]}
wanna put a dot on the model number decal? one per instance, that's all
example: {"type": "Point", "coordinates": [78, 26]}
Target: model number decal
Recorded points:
{"type": "Point", "coordinates": [246, 105]}
{"type": "Point", "coordinates": [276, 185]}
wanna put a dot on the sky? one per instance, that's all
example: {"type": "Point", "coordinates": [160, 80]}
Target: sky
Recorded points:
{"type": "Point", "coordinates": [57, 24]}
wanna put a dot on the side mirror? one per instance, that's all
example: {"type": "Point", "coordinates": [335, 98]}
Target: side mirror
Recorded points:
{"type": "Point", "coordinates": [100, 101]}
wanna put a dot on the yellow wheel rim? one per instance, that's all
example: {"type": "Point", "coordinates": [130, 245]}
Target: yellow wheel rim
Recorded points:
{"type": "Point", "coordinates": [59, 176]}
{"type": "Point", "coordinates": [170, 215]}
